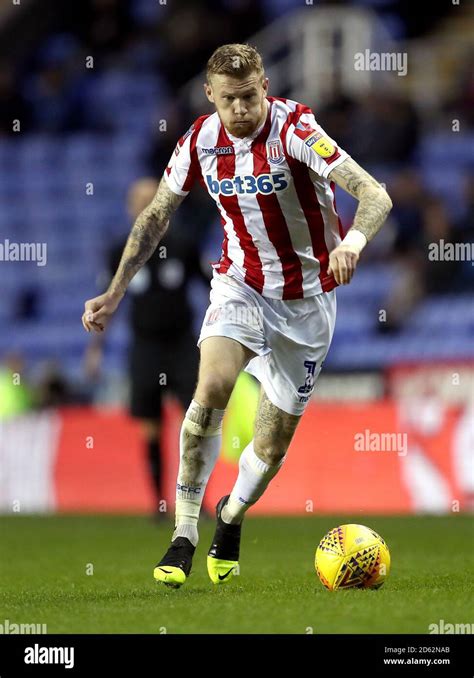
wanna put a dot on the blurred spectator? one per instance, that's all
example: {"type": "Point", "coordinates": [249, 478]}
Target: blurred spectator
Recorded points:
{"type": "Point", "coordinates": [242, 18]}
{"type": "Point", "coordinates": [273, 9]}
{"type": "Point", "coordinates": [465, 225]}
{"type": "Point", "coordinates": [163, 144]}
{"type": "Point", "coordinates": [55, 92]}
{"type": "Point", "coordinates": [16, 396]}
{"type": "Point", "coordinates": [461, 105]}
{"type": "Point", "coordinates": [385, 129]}
{"type": "Point", "coordinates": [53, 389]}
{"type": "Point", "coordinates": [439, 276]}
{"type": "Point", "coordinates": [193, 31]}
{"type": "Point", "coordinates": [103, 26]}
{"type": "Point", "coordinates": [408, 194]}
{"type": "Point", "coordinates": [464, 233]}
{"type": "Point", "coordinates": [12, 104]}
{"type": "Point", "coordinates": [420, 219]}
{"type": "Point", "coordinates": [197, 209]}
{"type": "Point", "coordinates": [380, 128]}
{"type": "Point", "coordinates": [336, 118]}
{"type": "Point", "coordinates": [187, 36]}
{"type": "Point", "coordinates": [26, 305]}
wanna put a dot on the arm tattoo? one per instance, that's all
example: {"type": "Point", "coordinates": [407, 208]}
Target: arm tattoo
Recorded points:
{"type": "Point", "coordinates": [374, 201]}
{"type": "Point", "coordinates": [147, 231]}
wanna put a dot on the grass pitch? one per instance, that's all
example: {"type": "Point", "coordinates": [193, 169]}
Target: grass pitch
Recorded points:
{"type": "Point", "coordinates": [93, 574]}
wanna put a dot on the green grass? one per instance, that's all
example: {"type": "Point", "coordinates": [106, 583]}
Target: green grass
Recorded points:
{"type": "Point", "coordinates": [43, 563]}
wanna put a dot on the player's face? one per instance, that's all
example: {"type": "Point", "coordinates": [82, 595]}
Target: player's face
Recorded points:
{"type": "Point", "coordinates": [240, 103]}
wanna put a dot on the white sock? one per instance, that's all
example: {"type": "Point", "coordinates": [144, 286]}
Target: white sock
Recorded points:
{"type": "Point", "coordinates": [252, 481]}
{"type": "Point", "coordinates": [199, 445]}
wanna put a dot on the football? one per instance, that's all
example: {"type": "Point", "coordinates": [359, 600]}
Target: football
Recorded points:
{"type": "Point", "coordinates": [352, 556]}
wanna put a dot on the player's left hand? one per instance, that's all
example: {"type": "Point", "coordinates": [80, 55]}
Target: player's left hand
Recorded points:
{"type": "Point", "coordinates": [342, 263]}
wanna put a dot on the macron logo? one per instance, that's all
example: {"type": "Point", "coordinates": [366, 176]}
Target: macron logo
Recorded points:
{"type": "Point", "coordinates": [219, 150]}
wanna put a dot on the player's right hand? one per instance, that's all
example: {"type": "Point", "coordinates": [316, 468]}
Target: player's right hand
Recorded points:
{"type": "Point", "coordinates": [98, 311]}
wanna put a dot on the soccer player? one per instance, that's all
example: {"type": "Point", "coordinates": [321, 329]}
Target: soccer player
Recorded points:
{"type": "Point", "coordinates": [272, 171]}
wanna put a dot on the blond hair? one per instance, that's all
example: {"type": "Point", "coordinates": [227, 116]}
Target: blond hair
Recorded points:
{"type": "Point", "coordinates": [236, 60]}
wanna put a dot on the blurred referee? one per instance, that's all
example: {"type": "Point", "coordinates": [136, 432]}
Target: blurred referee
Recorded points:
{"type": "Point", "coordinates": [163, 354]}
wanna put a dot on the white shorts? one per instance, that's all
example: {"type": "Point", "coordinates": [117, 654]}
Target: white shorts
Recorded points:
{"type": "Point", "coordinates": [291, 338]}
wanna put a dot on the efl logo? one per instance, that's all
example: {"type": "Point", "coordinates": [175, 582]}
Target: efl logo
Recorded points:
{"type": "Point", "coordinates": [248, 184]}
{"type": "Point", "coordinates": [320, 145]}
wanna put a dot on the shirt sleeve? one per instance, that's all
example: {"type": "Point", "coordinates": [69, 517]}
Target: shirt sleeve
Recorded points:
{"type": "Point", "coordinates": [180, 174]}
{"type": "Point", "coordinates": [309, 143]}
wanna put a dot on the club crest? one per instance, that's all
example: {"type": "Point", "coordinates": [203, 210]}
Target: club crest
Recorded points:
{"type": "Point", "coordinates": [275, 152]}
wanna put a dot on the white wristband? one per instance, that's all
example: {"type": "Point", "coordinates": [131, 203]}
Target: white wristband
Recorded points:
{"type": "Point", "coordinates": [355, 239]}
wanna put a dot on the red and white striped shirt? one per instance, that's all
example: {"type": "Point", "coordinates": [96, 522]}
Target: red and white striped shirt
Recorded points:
{"type": "Point", "coordinates": [276, 203]}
